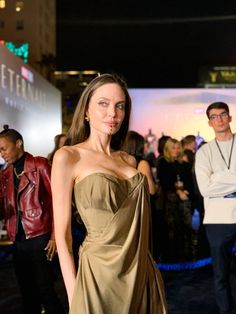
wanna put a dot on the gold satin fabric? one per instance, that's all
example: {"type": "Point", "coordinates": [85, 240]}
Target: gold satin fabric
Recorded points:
{"type": "Point", "coordinates": [116, 273]}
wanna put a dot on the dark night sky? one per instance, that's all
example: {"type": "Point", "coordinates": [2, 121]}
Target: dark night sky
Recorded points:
{"type": "Point", "coordinates": [151, 43]}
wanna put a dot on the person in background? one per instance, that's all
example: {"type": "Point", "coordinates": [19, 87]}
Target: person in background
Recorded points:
{"type": "Point", "coordinates": [134, 145]}
{"type": "Point", "coordinates": [189, 147]}
{"type": "Point", "coordinates": [177, 185]}
{"type": "Point", "coordinates": [116, 272]}
{"type": "Point", "coordinates": [216, 177]}
{"type": "Point", "coordinates": [202, 245]}
{"type": "Point", "coordinates": [59, 141]}
{"type": "Point", "coordinates": [26, 207]}
{"type": "Point", "coordinates": [161, 228]}
{"type": "Point", "coordinates": [160, 149]}
{"type": "Point", "coordinates": [149, 156]}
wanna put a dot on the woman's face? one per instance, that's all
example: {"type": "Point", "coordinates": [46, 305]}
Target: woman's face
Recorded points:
{"type": "Point", "coordinates": [106, 110]}
{"type": "Point", "coordinates": [175, 150]}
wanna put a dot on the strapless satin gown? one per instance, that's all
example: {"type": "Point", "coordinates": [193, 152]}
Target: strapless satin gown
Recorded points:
{"type": "Point", "coordinates": [116, 273]}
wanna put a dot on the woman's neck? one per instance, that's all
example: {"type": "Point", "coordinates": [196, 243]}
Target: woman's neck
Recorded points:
{"type": "Point", "coordinates": [100, 145]}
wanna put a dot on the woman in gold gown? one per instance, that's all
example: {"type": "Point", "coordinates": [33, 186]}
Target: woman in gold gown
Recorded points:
{"type": "Point", "coordinates": [116, 272]}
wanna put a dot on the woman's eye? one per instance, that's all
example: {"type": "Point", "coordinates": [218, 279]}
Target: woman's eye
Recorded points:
{"type": "Point", "coordinates": [102, 103]}
{"type": "Point", "coordinates": [121, 106]}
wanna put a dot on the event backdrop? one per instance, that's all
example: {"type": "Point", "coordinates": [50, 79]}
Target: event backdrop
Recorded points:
{"type": "Point", "coordinates": [177, 112]}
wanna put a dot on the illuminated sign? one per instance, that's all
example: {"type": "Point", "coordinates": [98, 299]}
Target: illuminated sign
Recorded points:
{"type": "Point", "coordinates": [16, 84]}
{"type": "Point", "coordinates": [223, 75]}
{"type": "Point", "coordinates": [28, 103]}
{"type": "Point", "coordinates": [21, 50]}
{"type": "Point", "coordinates": [27, 74]}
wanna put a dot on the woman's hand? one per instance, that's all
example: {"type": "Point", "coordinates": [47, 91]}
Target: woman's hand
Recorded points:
{"type": "Point", "coordinates": [183, 194]}
{"type": "Point", "coordinates": [179, 185]}
{"type": "Point", "coordinates": [51, 249]}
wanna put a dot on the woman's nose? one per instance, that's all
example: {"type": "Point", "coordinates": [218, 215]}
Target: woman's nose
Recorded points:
{"type": "Point", "coordinates": [111, 111]}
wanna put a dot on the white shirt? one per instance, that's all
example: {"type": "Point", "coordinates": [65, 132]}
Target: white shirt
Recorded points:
{"type": "Point", "coordinates": [215, 181]}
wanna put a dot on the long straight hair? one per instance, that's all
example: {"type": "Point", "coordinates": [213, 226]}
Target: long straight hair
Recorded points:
{"type": "Point", "coordinates": [80, 128]}
{"type": "Point", "coordinates": [134, 145]}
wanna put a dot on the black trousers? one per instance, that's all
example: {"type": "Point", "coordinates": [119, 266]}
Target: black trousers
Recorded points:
{"type": "Point", "coordinates": [221, 238]}
{"type": "Point", "coordinates": [35, 277]}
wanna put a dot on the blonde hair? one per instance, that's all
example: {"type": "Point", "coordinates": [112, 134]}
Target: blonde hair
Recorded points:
{"type": "Point", "coordinates": [168, 147]}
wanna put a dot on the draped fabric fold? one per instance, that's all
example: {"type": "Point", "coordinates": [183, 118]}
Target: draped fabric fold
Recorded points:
{"type": "Point", "coordinates": [116, 272]}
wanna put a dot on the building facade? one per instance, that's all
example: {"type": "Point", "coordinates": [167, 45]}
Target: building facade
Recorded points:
{"type": "Point", "coordinates": [32, 22]}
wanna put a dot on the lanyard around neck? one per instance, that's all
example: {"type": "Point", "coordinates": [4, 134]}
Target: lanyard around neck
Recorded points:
{"type": "Point", "coordinates": [230, 155]}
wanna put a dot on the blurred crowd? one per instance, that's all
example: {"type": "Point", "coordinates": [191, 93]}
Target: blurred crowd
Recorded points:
{"type": "Point", "coordinates": [177, 208]}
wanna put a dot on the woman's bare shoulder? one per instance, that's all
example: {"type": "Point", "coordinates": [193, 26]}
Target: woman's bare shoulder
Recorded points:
{"type": "Point", "coordinates": [128, 158]}
{"type": "Point", "coordinates": [69, 154]}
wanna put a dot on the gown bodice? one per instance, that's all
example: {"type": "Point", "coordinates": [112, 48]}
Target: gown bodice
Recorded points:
{"type": "Point", "coordinates": [99, 198]}
{"type": "Point", "coordinates": [115, 270]}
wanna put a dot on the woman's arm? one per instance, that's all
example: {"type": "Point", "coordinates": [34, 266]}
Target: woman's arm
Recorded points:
{"type": "Point", "coordinates": [145, 169]}
{"type": "Point", "coordinates": [62, 181]}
